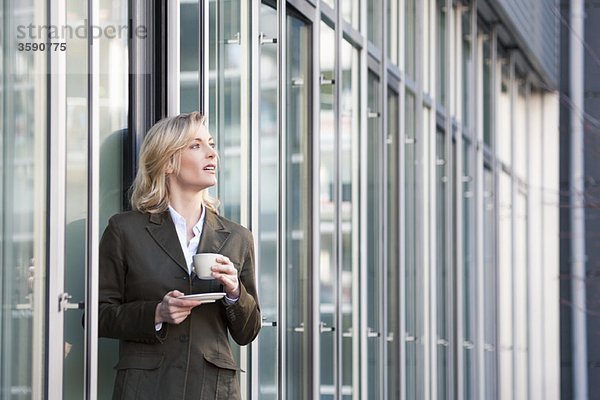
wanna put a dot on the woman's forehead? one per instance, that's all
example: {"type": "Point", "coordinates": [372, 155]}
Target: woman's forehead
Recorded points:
{"type": "Point", "coordinates": [200, 133]}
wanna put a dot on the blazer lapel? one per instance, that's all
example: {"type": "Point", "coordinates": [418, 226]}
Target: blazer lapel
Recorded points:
{"type": "Point", "coordinates": [162, 230]}
{"type": "Point", "coordinates": [214, 235]}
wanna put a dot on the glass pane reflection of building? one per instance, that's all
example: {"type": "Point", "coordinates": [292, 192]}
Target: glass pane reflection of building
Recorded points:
{"type": "Point", "coordinates": [297, 216]}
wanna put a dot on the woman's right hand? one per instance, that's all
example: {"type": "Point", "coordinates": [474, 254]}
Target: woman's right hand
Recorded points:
{"type": "Point", "coordinates": [173, 310]}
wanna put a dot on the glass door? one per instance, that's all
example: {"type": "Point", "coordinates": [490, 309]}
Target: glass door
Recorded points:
{"type": "Point", "coordinates": [23, 205]}
{"type": "Point", "coordinates": [297, 216]}
{"type": "Point", "coordinates": [89, 112]}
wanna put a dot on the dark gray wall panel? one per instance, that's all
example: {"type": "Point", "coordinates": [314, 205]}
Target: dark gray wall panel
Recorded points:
{"type": "Point", "coordinates": [534, 27]}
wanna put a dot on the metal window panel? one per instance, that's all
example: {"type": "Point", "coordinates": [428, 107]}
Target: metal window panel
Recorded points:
{"type": "Point", "coordinates": [173, 49]}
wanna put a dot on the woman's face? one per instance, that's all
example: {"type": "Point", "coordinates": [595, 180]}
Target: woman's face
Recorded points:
{"type": "Point", "coordinates": [198, 165]}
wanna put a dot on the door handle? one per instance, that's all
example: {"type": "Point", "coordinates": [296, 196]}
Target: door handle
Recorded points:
{"type": "Point", "coordinates": [324, 328]}
{"type": "Point", "coordinates": [299, 328]}
{"type": "Point", "coordinates": [64, 304]}
{"type": "Point", "coordinates": [372, 334]}
{"type": "Point", "coordinates": [268, 323]}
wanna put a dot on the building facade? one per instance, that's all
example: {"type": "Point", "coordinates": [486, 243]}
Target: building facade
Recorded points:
{"type": "Point", "coordinates": [396, 161]}
{"type": "Point", "coordinates": [576, 335]}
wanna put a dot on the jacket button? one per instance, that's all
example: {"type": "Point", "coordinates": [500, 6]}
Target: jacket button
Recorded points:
{"type": "Point", "coordinates": [183, 338]}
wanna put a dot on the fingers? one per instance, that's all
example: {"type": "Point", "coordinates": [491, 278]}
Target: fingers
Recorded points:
{"type": "Point", "coordinates": [174, 310]}
{"type": "Point", "coordinates": [226, 273]}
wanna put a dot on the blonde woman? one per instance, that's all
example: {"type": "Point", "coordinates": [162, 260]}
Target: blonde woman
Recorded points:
{"type": "Point", "coordinates": [173, 348]}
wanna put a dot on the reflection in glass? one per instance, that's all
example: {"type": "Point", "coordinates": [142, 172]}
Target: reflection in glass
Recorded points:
{"type": "Point", "coordinates": [226, 99]}
{"type": "Point", "coordinates": [412, 301]}
{"type": "Point", "coordinates": [374, 239]}
{"type": "Point", "coordinates": [441, 57]}
{"type": "Point", "coordinates": [443, 294]}
{"type": "Point", "coordinates": [393, 263]}
{"type": "Point", "coordinates": [328, 209]}
{"type": "Point", "coordinates": [489, 278]}
{"type": "Point", "coordinates": [349, 130]}
{"type": "Point", "coordinates": [505, 284]}
{"type": "Point", "coordinates": [374, 24]}
{"type": "Point", "coordinates": [76, 202]}
{"type": "Point", "coordinates": [190, 56]}
{"type": "Point", "coordinates": [504, 138]}
{"type": "Point", "coordinates": [467, 68]}
{"type": "Point", "coordinates": [487, 92]}
{"type": "Point", "coordinates": [266, 248]}
{"type": "Point", "coordinates": [520, 298]}
{"type": "Point", "coordinates": [23, 124]}
{"type": "Point", "coordinates": [393, 32]}
{"type": "Point", "coordinates": [350, 12]}
{"type": "Point", "coordinates": [297, 216]}
{"type": "Point", "coordinates": [410, 37]}
{"type": "Point", "coordinates": [469, 299]}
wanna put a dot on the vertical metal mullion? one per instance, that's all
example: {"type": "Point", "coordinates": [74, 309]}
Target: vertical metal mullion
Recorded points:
{"type": "Point", "coordinates": [314, 150]}
{"type": "Point", "coordinates": [481, 382]}
{"type": "Point", "coordinates": [338, 195]}
{"type": "Point", "coordinates": [254, 108]}
{"type": "Point", "coordinates": [448, 201]}
{"type": "Point", "coordinates": [402, 198]}
{"type": "Point", "coordinates": [385, 193]}
{"type": "Point", "coordinates": [496, 88]}
{"type": "Point", "coordinates": [513, 198]}
{"type": "Point", "coordinates": [56, 209]}
{"type": "Point", "coordinates": [93, 206]}
{"type": "Point", "coordinates": [458, 209]}
{"type": "Point", "coordinates": [360, 247]}
{"type": "Point", "coordinates": [281, 122]}
{"type": "Point", "coordinates": [531, 260]}
{"type": "Point", "coordinates": [173, 62]}
{"type": "Point", "coordinates": [433, 256]}
{"type": "Point", "coordinates": [203, 56]}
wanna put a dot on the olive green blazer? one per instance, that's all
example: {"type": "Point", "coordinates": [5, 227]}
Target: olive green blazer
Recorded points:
{"type": "Point", "coordinates": [140, 261]}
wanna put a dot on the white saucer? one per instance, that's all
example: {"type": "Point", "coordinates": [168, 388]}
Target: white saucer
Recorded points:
{"type": "Point", "coordinates": [204, 297]}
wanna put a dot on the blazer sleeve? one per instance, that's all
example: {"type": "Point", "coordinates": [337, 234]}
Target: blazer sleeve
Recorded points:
{"type": "Point", "coordinates": [118, 318]}
{"type": "Point", "coordinates": [243, 317]}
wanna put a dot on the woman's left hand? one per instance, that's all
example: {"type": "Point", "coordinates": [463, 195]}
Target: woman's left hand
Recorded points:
{"type": "Point", "coordinates": [226, 273]}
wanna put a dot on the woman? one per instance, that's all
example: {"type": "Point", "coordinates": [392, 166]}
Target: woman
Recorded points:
{"type": "Point", "coordinates": [173, 348]}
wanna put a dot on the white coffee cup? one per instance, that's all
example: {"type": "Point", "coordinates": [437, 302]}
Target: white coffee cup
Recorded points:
{"type": "Point", "coordinates": [202, 264]}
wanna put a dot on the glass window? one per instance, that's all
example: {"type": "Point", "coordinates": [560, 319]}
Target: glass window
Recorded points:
{"type": "Point", "coordinates": [23, 124]}
{"type": "Point", "coordinates": [76, 203]}
{"type": "Point", "coordinates": [374, 24]}
{"type": "Point", "coordinates": [489, 281]}
{"type": "Point", "coordinates": [348, 136]}
{"type": "Point", "coordinates": [505, 288]}
{"type": "Point", "coordinates": [520, 297]}
{"type": "Point", "coordinates": [443, 281]}
{"type": "Point", "coordinates": [467, 68]}
{"type": "Point", "coordinates": [228, 120]}
{"type": "Point", "coordinates": [393, 32]}
{"type": "Point", "coordinates": [267, 251]}
{"type": "Point", "coordinates": [412, 303]}
{"type": "Point", "coordinates": [410, 37]}
{"type": "Point", "coordinates": [190, 55]}
{"type": "Point", "coordinates": [374, 239]}
{"type": "Point", "coordinates": [425, 45]}
{"type": "Point", "coordinates": [350, 12]}
{"type": "Point", "coordinates": [442, 59]}
{"type": "Point", "coordinates": [393, 263]}
{"type": "Point", "coordinates": [114, 134]}
{"type": "Point", "coordinates": [520, 137]}
{"type": "Point", "coordinates": [488, 92]}
{"type": "Point", "coordinates": [468, 273]}
{"type": "Point", "coordinates": [503, 122]}
{"type": "Point", "coordinates": [297, 205]}
{"type": "Point", "coordinates": [328, 211]}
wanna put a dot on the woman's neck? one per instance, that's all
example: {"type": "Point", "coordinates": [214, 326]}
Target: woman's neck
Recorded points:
{"type": "Point", "coordinates": [188, 206]}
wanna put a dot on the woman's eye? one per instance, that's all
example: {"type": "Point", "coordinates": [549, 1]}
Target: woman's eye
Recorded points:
{"type": "Point", "coordinates": [194, 146]}
{"type": "Point", "coordinates": [212, 145]}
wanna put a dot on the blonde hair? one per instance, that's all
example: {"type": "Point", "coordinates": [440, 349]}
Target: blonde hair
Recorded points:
{"type": "Point", "coordinates": [160, 151]}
